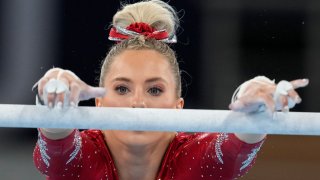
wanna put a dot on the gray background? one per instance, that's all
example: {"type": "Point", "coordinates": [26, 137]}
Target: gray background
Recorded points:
{"type": "Point", "coordinates": [221, 44]}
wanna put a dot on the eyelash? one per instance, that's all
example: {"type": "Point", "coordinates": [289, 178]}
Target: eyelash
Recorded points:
{"type": "Point", "coordinates": [157, 89]}
{"type": "Point", "coordinates": [120, 90]}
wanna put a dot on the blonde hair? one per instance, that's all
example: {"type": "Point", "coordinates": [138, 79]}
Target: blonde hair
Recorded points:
{"type": "Point", "coordinates": [158, 15]}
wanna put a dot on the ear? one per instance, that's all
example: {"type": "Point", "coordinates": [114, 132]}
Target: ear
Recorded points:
{"type": "Point", "coordinates": [180, 103]}
{"type": "Point", "coordinates": [98, 102]}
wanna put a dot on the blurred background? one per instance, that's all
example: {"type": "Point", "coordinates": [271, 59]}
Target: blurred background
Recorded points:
{"type": "Point", "coordinates": [221, 44]}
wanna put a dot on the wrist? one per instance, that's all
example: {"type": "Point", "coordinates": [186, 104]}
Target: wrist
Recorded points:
{"type": "Point", "coordinates": [250, 138]}
{"type": "Point", "coordinates": [55, 133]}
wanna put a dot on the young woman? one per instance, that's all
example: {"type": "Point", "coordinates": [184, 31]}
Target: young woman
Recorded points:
{"type": "Point", "coordinates": [141, 71]}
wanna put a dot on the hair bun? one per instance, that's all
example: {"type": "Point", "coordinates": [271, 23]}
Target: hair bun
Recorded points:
{"type": "Point", "coordinates": [157, 14]}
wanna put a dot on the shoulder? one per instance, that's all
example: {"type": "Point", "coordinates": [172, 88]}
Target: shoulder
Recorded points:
{"type": "Point", "coordinates": [92, 133]}
{"type": "Point", "coordinates": [184, 137]}
{"type": "Point", "coordinates": [93, 136]}
{"type": "Point", "coordinates": [204, 140]}
{"type": "Point", "coordinates": [185, 140]}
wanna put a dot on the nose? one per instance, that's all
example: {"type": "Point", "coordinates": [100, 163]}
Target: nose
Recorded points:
{"type": "Point", "coordinates": [138, 100]}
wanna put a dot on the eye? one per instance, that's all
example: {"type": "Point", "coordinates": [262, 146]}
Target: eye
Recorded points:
{"type": "Point", "coordinates": [122, 90]}
{"type": "Point", "coordinates": [155, 91]}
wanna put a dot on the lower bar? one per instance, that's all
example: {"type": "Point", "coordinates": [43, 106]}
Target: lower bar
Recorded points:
{"type": "Point", "coordinates": [186, 120]}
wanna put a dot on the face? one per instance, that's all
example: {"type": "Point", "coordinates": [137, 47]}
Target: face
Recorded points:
{"type": "Point", "coordinates": [139, 79]}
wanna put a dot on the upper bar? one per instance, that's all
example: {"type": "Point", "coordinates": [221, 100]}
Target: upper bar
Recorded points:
{"type": "Point", "coordinates": [145, 119]}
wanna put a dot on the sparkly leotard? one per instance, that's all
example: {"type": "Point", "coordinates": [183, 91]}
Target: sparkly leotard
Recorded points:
{"type": "Point", "coordinates": [85, 155]}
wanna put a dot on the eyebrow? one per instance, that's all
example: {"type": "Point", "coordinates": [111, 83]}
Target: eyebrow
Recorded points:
{"type": "Point", "coordinates": [147, 81]}
{"type": "Point", "coordinates": [156, 79]}
{"type": "Point", "coordinates": [121, 79]}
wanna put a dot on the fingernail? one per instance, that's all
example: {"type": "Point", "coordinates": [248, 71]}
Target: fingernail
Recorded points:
{"type": "Point", "coordinates": [50, 105]}
{"type": "Point", "coordinates": [305, 80]}
{"type": "Point", "coordinates": [233, 107]}
{"type": "Point", "coordinates": [72, 104]}
{"type": "Point", "coordinates": [285, 109]}
{"type": "Point", "coordinates": [59, 105]}
{"type": "Point", "coordinates": [237, 105]}
{"type": "Point", "coordinates": [298, 99]}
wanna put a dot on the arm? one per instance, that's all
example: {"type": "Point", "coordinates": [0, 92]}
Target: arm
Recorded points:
{"type": "Point", "coordinates": [216, 156]}
{"type": "Point", "coordinates": [58, 151]}
{"type": "Point", "coordinates": [250, 138]}
{"type": "Point", "coordinates": [81, 155]}
{"type": "Point", "coordinates": [237, 156]}
{"type": "Point", "coordinates": [53, 157]}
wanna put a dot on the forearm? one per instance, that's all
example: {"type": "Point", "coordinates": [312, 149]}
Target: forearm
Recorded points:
{"type": "Point", "coordinates": [250, 138]}
{"type": "Point", "coordinates": [236, 153]}
{"type": "Point", "coordinates": [52, 157]}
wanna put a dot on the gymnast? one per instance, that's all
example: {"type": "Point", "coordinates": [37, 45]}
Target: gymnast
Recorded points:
{"type": "Point", "coordinates": [141, 71]}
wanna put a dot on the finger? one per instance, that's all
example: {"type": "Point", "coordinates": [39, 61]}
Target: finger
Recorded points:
{"type": "Point", "coordinates": [299, 83]}
{"type": "Point", "coordinates": [283, 103]}
{"type": "Point", "coordinates": [49, 92]}
{"type": "Point", "coordinates": [61, 90]}
{"type": "Point", "coordinates": [240, 106]}
{"type": "Point", "coordinates": [236, 105]}
{"type": "Point", "coordinates": [52, 73]}
{"type": "Point", "coordinates": [269, 102]}
{"type": "Point", "coordinates": [74, 94]}
{"type": "Point", "coordinates": [92, 92]}
{"type": "Point", "coordinates": [51, 99]}
{"type": "Point", "coordinates": [270, 89]}
{"type": "Point", "coordinates": [41, 83]}
{"type": "Point", "coordinates": [67, 75]}
{"type": "Point", "coordinates": [294, 96]}
{"type": "Point", "coordinates": [60, 99]}
{"type": "Point", "coordinates": [254, 103]}
{"type": "Point", "coordinates": [71, 74]}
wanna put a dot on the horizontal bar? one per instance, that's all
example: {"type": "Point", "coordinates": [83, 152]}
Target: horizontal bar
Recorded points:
{"type": "Point", "coordinates": [186, 120]}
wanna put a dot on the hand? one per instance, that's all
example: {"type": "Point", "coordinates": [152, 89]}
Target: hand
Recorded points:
{"type": "Point", "coordinates": [260, 94]}
{"type": "Point", "coordinates": [59, 87]}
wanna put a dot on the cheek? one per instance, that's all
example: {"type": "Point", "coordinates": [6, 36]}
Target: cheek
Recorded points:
{"type": "Point", "coordinates": [112, 100]}
{"type": "Point", "coordinates": [164, 101]}
{"type": "Point", "coordinates": [150, 102]}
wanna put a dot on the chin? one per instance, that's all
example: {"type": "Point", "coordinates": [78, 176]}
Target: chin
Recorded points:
{"type": "Point", "coordinates": [143, 135]}
{"type": "Point", "coordinates": [137, 137]}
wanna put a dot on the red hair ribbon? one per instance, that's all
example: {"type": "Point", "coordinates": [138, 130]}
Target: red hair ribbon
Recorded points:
{"type": "Point", "coordinates": [133, 29]}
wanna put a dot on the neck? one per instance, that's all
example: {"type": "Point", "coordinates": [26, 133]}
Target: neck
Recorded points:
{"type": "Point", "coordinates": [138, 161]}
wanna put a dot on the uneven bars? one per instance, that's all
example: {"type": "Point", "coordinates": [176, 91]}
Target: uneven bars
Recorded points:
{"type": "Point", "coordinates": [186, 120]}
